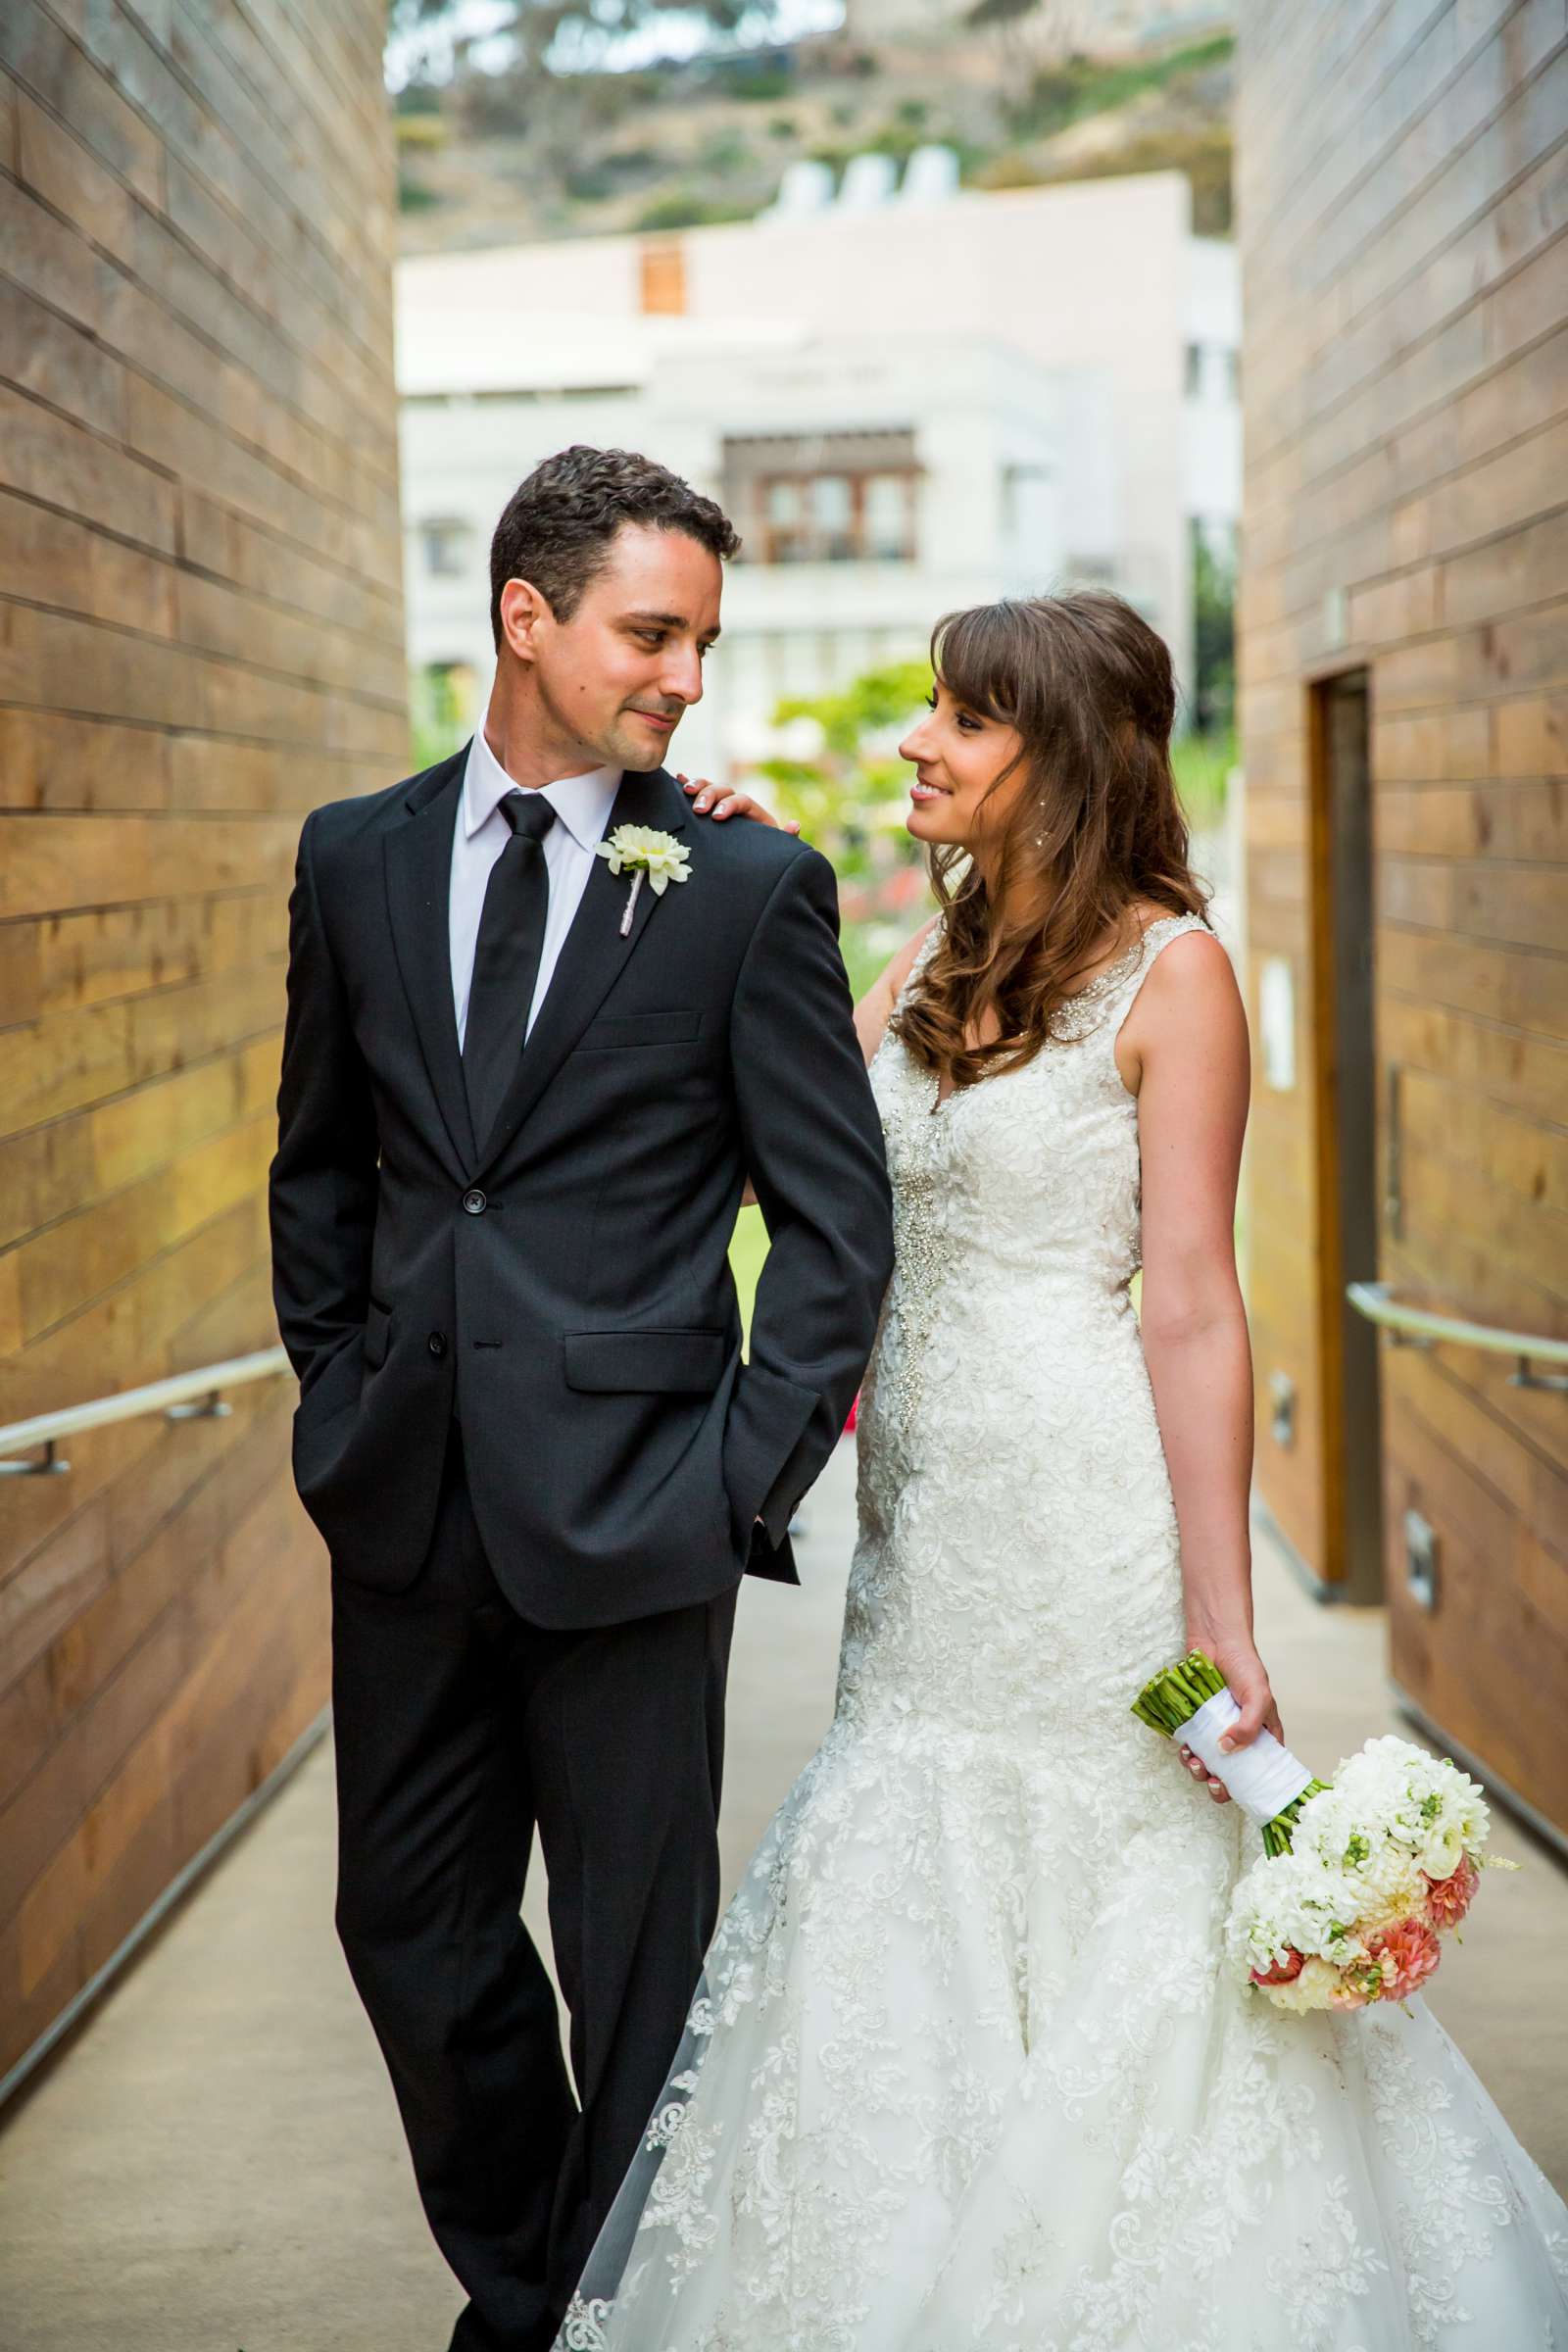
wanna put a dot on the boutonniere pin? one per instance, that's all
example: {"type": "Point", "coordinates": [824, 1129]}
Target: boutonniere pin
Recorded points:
{"type": "Point", "coordinates": [638, 851]}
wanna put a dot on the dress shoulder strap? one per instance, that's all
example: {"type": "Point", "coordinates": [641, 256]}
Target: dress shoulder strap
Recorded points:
{"type": "Point", "coordinates": [1163, 929]}
{"type": "Point", "coordinates": [1142, 958]}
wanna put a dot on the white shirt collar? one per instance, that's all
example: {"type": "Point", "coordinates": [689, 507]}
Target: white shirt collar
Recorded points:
{"type": "Point", "coordinates": [581, 802]}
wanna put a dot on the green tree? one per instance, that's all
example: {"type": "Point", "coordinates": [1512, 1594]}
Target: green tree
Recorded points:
{"type": "Point", "coordinates": [849, 794]}
{"type": "Point", "coordinates": [441, 704]}
{"type": "Point", "coordinates": [1213, 636]}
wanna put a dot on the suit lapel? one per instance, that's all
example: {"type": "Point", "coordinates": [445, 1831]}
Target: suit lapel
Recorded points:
{"type": "Point", "coordinates": [418, 879]}
{"type": "Point", "coordinates": [592, 955]}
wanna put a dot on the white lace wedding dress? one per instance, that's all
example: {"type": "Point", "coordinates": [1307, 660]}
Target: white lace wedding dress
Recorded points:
{"type": "Point", "coordinates": [967, 2068]}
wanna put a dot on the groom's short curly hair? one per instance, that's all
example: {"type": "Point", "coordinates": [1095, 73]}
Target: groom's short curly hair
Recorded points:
{"type": "Point", "coordinates": [558, 525]}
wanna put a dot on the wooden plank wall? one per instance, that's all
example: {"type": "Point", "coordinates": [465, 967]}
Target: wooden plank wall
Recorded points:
{"type": "Point", "coordinates": [200, 637]}
{"type": "Point", "coordinates": [1404, 226]}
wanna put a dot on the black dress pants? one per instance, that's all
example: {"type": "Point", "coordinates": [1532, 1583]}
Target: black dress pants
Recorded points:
{"type": "Point", "coordinates": [460, 1729]}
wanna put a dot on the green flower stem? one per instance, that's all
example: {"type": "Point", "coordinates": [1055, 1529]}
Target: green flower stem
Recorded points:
{"type": "Point", "coordinates": [1173, 1696]}
{"type": "Point", "coordinates": [1277, 1834]}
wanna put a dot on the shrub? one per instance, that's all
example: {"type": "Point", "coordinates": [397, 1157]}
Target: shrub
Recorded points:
{"type": "Point", "coordinates": [725, 154]}
{"type": "Point", "coordinates": [1204, 156]}
{"type": "Point", "coordinates": [613, 175]}
{"type": "Point", "coordinates": [1010, 169]}
{"type": "Point", "coordinates": [684, 208]}
{"type": "Point", "coordinates": [1062, 94]}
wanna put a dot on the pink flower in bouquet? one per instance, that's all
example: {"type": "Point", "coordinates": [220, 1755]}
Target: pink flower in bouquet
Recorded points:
{"type": "Point", "coordinates": [1286, 1970]}
{"type": "Point", "coordinates": [1414, 1952]}
{"type": "Point", "coordinates": [1449, 1900]}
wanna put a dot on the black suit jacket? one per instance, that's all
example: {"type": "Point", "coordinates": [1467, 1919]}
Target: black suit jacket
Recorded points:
{"type": "Point", "coordinates": [566, 1291]}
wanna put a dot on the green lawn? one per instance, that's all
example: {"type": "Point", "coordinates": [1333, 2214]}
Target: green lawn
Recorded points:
{"type": "Point", "coordinates": [747, 1249]}
{"type": "Point", "coordinates": [1202, 765]}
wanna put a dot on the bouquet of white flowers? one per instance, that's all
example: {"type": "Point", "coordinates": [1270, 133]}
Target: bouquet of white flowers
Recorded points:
{"type": "Point", "coordinates": [1359, 1878]}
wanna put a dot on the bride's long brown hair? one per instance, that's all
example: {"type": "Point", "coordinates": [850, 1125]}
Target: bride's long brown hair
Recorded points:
{"type": "Point", "coordinates": [1088, 686]}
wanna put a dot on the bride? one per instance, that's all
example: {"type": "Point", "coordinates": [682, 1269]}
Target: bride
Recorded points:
{"type": "Point", "coordinates": [967, 2067]}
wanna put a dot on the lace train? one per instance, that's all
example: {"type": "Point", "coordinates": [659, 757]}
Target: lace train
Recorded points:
{"type": "Point", "coordinates": [942, 2091]}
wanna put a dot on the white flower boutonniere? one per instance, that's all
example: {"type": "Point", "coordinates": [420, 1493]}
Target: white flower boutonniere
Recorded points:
{"type": "Point", "coordinates": [637, 850]}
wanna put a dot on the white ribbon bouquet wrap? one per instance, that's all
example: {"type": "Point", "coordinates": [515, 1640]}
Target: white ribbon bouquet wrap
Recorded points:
{"type": "Point", "coordinates": [1263, 1778]}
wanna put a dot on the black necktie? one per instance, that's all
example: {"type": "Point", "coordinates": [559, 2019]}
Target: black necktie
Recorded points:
{"type": "Point", "coordinates": [505, 958]}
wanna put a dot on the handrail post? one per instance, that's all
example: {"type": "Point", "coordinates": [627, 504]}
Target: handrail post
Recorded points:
{"type": "Point", "coordinates": [47, 1465]}
{"type": "Point", "coordinates": [210, 1407]}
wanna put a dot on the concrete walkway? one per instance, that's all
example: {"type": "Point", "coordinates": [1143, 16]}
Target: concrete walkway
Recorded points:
{"type": "Point", "coordinates": [215, 2162]}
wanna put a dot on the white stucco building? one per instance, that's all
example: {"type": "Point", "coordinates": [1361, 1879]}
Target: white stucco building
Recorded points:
{"type": "Point", "coordinates": [904, 407]}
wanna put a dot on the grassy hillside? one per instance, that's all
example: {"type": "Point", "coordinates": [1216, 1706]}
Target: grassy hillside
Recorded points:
{"type": "Point", "coordinates": [506, 158]}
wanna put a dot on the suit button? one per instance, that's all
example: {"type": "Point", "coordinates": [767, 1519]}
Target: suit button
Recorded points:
{"type": "Point", "coordinates": [474, 1202]}
{"type": "Point", "coordinates": [437, 1342]}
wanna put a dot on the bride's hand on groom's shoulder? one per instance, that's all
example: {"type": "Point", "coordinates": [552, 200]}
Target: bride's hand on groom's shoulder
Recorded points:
{"type": "Point", "coordinates": [720, 800]}
{"type": "Point", "coordinates": [1247, 1678]}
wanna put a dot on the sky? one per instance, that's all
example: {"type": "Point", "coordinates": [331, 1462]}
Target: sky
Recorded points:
{"type": "Point", "coordinates": [663, 35]}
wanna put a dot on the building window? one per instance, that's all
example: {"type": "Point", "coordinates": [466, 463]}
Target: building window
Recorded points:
{"type": "Point", "coordinates": [824, 498]}
{"type": "Point", "coordinates": [445, 543]}
{"type": "Point", "coordinates": [783, 516]}
{"type": "Point", "coordinates": [889, 517]}
{"type": "Point", "coordinates": [834, 518]}
{"type": "Point", "coordinates": [1212, 371]}
{"type": "Point", "coordinates": [832, 501]}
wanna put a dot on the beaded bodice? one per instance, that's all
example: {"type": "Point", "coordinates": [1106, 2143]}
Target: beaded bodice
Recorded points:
{"type": "Point", "coordinates": [1021, 1187]}
{"type": "Point", "coordinates": [1036, 1168]}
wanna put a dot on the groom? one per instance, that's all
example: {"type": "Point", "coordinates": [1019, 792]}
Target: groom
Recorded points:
{"type": "Point", "coordinates": [519, 1105]}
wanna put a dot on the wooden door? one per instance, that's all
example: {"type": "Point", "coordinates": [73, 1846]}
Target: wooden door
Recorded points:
{"type": "Point", "coordinates": [1346, 1081]}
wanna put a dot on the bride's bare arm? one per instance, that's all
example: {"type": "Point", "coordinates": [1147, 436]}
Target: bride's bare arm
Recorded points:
{"type": "Point", "coordinates": [1183, 1052]}
{"type": "Point", "coordinates": [875, 1008]}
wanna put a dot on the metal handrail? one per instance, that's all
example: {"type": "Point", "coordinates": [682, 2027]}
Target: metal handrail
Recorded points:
{"type": "Point", "coordinates": [176, 1398]}
{"type": "Point", "coordinates": [1418, 1326]}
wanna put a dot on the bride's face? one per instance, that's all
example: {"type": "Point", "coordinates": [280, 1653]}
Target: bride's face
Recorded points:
{"type": "Point", "coordinates": [957, 757]}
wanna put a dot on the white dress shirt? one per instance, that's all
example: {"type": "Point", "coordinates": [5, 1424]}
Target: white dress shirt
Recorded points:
{"type": "Point", "coordinates": [582, 806]}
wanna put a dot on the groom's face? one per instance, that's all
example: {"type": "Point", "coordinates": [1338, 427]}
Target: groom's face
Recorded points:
{"type": "Point", "coordinates": [618, 676]}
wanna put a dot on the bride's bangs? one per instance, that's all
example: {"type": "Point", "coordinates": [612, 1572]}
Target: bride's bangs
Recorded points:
{"type": "Point", "coordinates": [975, 658]}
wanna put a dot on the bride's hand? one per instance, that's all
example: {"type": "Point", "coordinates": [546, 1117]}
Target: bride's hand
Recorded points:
{"type": "Point", "coordinates": [723, 799]}
{"type": "Point", "coordinates": [1248, 1680]}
